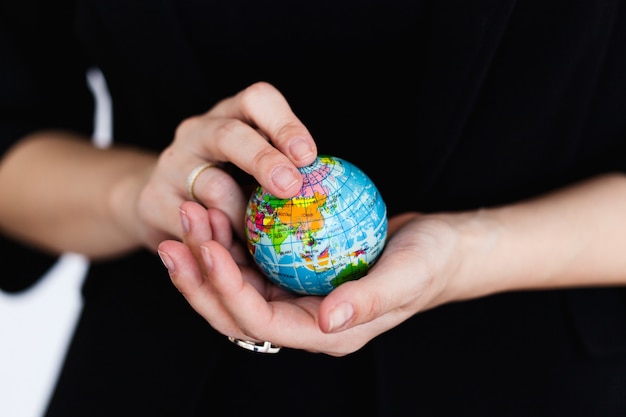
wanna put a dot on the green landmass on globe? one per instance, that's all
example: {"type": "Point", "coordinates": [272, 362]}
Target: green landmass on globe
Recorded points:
{"type": "Point", "coordinates": [332, 232]}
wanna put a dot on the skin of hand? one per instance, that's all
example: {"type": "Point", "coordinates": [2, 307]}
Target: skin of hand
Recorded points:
{"type": "Point", "coordinates": [215, 275]}
{"type": "Point", "coordinates": [113, 200]}
{"type": "Point", "coordinates": [104, 202]}
{"type": "Point", "coordinates": [568, 238]}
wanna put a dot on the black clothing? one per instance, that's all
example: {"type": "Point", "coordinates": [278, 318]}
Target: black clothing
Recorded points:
{"type": "Point", "coordinates": [501, 100]}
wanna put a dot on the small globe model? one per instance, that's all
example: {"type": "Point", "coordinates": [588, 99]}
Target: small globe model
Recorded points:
{"type": "Point", "coordinates": [330, 233]}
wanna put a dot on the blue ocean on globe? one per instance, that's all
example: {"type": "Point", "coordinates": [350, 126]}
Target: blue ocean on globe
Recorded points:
{"type": "Point", "coordinates": [332, 232]}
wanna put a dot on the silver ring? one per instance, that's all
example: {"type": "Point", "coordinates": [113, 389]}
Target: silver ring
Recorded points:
{"type": "Point", "coordinates": [193, 176]}
{"type": "Point", "coordinates": [261, 347]}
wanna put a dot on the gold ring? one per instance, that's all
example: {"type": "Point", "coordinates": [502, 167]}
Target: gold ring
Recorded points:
{"type": "Point", "coordinates": [193, 176]}
{"type": "Point", "coordinates": [261, 347]}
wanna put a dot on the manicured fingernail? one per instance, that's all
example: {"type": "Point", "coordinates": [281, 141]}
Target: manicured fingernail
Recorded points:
{"type": "Point", "coordinates": [184, 220]}
{"type": "Point", "coordinates": [206, 257]}
{"type": "Point", "coordinates": [340, 316]}
{"type": "Point", "coordinates": [284, 177]}
{"type": "Point", "coordinates": [167, 261]}
{"type": "Point", "coordinates": [301, 149]}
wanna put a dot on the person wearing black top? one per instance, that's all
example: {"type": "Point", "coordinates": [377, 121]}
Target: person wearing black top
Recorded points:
{"type": "Point", "coordinates": [495, 131]}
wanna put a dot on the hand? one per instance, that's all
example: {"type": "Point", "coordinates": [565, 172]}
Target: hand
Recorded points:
{"type": "Point", "coordinates": [256, 131]}
{"type": "Point", "coordinates": [213, 274]}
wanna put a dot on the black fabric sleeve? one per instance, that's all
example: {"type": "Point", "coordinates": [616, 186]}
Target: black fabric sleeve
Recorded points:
{"type": "Point", "coordinates": [42, 86]}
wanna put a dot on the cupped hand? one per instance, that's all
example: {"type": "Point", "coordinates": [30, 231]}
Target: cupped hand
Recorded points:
{"type": "Point", "coordinates": [213, 273]}
{"type": "Point", "coordinates": [255, 130]}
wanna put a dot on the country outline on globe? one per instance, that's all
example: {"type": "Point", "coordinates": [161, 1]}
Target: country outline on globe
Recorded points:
{"type": "Point", "coordinates": [332, 232]}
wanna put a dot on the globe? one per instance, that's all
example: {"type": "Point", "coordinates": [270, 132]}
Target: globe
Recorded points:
{"type": "Point", "coordinates": [331, 232]}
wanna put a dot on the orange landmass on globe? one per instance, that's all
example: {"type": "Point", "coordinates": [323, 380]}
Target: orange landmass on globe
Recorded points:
{"type": "Point", "coordinates": [303, 214]}
{"type": "Point", "coordinates": [300, 216]}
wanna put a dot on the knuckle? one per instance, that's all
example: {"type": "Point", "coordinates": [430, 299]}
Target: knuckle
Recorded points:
{"type": "Point", "coordinates": [227, 128]}
{"type": "Point", "coordinates": [166, 156]}
{"type": "Point", "coordinates": [255, 94]}
{"type": "Point", "coordinates": [258, 89]}
{"type": "Point", "coordinates": [186, 127]}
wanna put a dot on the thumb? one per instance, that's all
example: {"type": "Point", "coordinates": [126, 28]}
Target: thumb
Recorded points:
{"type": "Point", "coordinates": [356, 302]}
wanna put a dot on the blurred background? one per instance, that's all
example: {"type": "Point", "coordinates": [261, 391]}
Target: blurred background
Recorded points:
{"type": "Point", "coordinates": [35, 327]}
{"type": "Point", "coordinates": [36, 324]}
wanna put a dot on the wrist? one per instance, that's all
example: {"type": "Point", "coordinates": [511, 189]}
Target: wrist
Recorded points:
{"type": "Point", "coordinates": [123, 200]}
{"type": "Point", "coordinates": [471, 273]}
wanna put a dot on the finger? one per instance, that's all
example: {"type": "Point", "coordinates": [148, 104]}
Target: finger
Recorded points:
{"type": "Point", "coordinates": [263, 107]}
{"type": "Point", "coordinates": [392, 290]}
{"type": "Point", "coordinates": [221, 228]}
{"type": "Point", "coordinates": [215, 188]}
{"type": "Point", "coordinates": [196, 227]}
{"type": "Point", "coordinates": [185, 273]}
{"type": "Point", "coordinates": [189, 275]}
{"type": "Point", "coordinates": [274, 315]}
{"type": "Point", "coordinates": [209, 301]}
{"type": "Point", "coordinates": [380, 298]}
{"type": "Point", "coordinates": [223, 234]}
{"type": "Point", "coordinates": [209, 224]}
{"type": "Point", "coordinates": [247, 302]}
{"type": "Point", "coordinates": [241, 303]}
{"type": "Point", "coordinates": [230, 133]}
{"type": "Point", "coordinates": [239, 307]}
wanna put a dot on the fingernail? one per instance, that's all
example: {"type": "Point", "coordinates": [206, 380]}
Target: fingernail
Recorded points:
{"type": "Point", "coordinates": [301, 149]}
{"type": "Point", "coordinates": [340, 316]}
{"type": "Point", "coordinates": [284, 177]}
{"type": "Point", "coordinates": [206, 257]}
{"type": "Point", "coordinates": [167, 261]}
{"type": "Point", "coordinates": [184, 220]}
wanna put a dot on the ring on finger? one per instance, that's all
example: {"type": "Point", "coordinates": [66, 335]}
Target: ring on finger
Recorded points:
{"type": "Point", "coordinates": [261, 347]}
{"type": "Point", "coordinates": [193, 176]}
